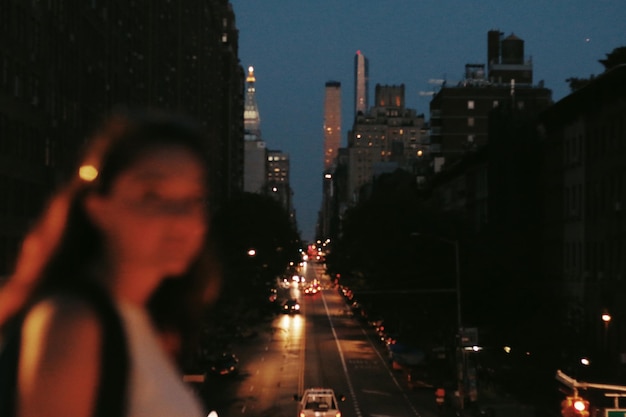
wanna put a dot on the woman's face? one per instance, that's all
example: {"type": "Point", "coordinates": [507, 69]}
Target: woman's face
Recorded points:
{"type": "Point", "coordinates": [154, 217]}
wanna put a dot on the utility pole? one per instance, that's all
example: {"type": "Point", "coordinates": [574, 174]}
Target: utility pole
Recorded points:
{"type": "Point", "coordinates": [460, 360]}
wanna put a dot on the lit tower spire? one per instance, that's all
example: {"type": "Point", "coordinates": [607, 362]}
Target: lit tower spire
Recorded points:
{"type": "Point", "coordinates": [251, 118]}
{"type": "Point", "coordinates": [361, 83]}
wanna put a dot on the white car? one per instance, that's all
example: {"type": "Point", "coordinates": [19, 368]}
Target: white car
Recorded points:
{"type": "Point", "coordinates": [319, 402]}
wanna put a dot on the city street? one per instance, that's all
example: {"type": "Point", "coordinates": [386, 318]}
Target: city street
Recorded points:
{"type": "Point", "coordinates": [322, 346]}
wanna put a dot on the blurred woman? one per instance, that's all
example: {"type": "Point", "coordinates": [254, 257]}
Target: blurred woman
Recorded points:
{"type": "Point", "coordinates": [129, 231]}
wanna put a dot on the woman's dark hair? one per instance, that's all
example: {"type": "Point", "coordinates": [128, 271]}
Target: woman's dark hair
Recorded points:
{"type": "Point", "coordinates": [122, 139]}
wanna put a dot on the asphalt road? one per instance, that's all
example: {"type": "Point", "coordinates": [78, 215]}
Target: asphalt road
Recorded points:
{"type": "Point", "coordinates": [323, 346]}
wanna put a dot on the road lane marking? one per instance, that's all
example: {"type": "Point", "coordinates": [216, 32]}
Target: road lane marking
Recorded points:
{"type": "Point", "coordinates": [393, 378]}
{"type": "Point", "coordinates": [343, 360]}
{"type": "Point", "coordinates": [370, 391]}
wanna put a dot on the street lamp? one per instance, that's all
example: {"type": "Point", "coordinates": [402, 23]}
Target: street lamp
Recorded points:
{"type": "Point", "coordinates": [459, 320]}
{"type": "Point", "coordinates": [606, 318]}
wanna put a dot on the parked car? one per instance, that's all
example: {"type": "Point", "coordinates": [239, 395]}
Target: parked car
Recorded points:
{"type": "Point", "coordinates": [223, 364]}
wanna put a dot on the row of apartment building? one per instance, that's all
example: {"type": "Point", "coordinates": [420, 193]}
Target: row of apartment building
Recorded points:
{"type": "Point", "coordinates": [539, 185]}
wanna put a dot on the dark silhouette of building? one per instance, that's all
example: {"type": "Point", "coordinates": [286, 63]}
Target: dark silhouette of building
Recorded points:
{"type": "Point", "coordinates": [459, 114]}
{"type": "Point", "coordinates": [64, 64]}
{"type": "Point", "coordinates": [584, 227]}
{"type": "Point", "coordinates": [277, 183]}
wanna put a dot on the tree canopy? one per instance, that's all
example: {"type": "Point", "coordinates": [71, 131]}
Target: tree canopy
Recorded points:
{"type": "Point", "coordinates": [258, 223]}
{"type": "Point", "coordinates": [613, 59]}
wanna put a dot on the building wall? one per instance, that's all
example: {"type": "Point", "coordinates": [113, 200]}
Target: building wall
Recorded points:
{"type": "Point", "coordinates": [64, 64]}
{"type": "Point", "coordinates": [361, 83]}
{"type": "Point", "coordinates": [255, 157]}
{"type": "Point", "coordinates": [459, 115]}
{"type": "Point", "coordinates": [587, 133]}
{"type": "Point", "coordinates": [387, 132]}
{"type": "Point", "coordinates": [332, 123]}
{"type": "Point", "coordinates": [278, 184]}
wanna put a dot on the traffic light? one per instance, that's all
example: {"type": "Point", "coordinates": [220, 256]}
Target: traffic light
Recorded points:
{"type": "Point", "coordinates": [574, 407]}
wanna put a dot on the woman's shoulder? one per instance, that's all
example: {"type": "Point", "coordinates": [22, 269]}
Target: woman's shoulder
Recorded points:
{"type": "Point", "coordinates": [62, 344]}
{"type": "Point", "coordinates": [63, 315]}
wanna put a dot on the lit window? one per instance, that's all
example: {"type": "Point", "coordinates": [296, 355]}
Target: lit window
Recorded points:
{"type": "Point", "coordinates": [495, 104]}
{"type": "Point", "coordinates": [470, 138]}
{"type": "Point", "coordinates": [470, 121]}
{"type": "Point", "coordinates": [470, 104]}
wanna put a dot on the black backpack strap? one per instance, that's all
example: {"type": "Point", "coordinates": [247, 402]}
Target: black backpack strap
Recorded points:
{"type": "Point", "coordinates": [9, 354]}
{"type": "Point", "coordinates": [114, 363]}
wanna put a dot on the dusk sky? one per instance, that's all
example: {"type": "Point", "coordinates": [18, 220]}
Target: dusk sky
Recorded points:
{"type": "Point", "coordinates": [296, 46]}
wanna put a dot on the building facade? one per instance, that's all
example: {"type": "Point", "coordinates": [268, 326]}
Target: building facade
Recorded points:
{"type": "Point", "coordinates": [386, 137]}
{"type": "Point", "coordinates": [459, 114]}
{"type": "Point", "coordinates": [332, 123]}
{"type": "Point", "coordinates": [361, 83]}
{"type": "Point", "coordinates": [584, 234]}
{"type": "Point", "coordinates": [65, 64]}
{"type": "Point", "coordinates": [277, 184]}
{"type": "Point", "coordinates": [255, 153]}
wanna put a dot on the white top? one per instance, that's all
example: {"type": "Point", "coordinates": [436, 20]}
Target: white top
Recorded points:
{"type": "Point", "coordinates": [156, 387]}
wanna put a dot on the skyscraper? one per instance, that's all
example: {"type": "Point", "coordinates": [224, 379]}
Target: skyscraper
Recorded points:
{"type": "Point", "coordinates": [361, 83]}
{"type": "Point", "coordinates": [254, 163]}
{"type": "Point", "coordinates": [332, 122]}
{"type": "Point", "coordinates": [251, 118]}
{"type": "Point", "coordinates": [277, 181]}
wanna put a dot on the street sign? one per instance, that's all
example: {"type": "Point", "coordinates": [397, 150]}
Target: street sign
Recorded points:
{"type": "Point", "coordinates": [615, 412]}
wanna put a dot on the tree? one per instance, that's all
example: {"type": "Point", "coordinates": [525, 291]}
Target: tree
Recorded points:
{"type": "Point", "coordinates": [378, 244]}
{"type": "Point", "coordinates": [258, 223]}
{"type": "Point", "coordinates": [576, 83]}
{"type": "Point", "coordinates": [614, 58]}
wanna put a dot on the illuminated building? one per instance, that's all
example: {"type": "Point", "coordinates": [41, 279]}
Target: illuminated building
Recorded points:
{"type": "Point", "coordinates": [361, 83]}
{"type": "Point", "coordinates": [254, 158]}
{"type": "Point", "coordinates": [387, 137]}
{"type": "Point", "coordinates": [332, 122]}
{"type": "Point", "coordinates": [277, 181]}
{"type": "Point", "coordinates": [251, 117]}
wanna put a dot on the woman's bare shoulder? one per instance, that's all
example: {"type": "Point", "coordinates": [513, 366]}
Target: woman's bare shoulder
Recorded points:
{"type": "Point", "coordinates": [60, 359]}
{"type": "Point", "coordinates": [63, 317]}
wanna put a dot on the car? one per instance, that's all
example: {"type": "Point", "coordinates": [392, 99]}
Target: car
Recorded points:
{"type": "Point", "coordinates": [291, 306]}
{"type": "Point", "coordinates": [319, 402]}
{"type": "Point", "coordinates": [223, 364]}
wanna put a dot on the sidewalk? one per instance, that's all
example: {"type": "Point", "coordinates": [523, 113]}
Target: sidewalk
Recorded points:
{"type": "Point", "coordinates": [494, 402]}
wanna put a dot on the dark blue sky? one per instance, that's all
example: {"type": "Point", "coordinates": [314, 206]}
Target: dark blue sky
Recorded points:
{"type": "Point", "coordinates": [296, 46]}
